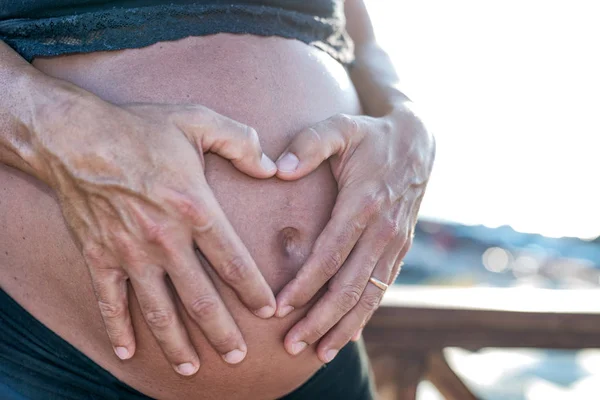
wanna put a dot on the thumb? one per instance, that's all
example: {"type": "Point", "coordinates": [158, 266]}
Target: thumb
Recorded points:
{"type": "Point", "coordinates": [234, 141]}
{"type": "Point", "coordinates": [311, 146]}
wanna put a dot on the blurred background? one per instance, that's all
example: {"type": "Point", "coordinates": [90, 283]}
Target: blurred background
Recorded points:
{"type": "Point", "coordinates": [511, 90]}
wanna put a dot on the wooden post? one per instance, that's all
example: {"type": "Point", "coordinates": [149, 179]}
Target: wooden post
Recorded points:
{"type": "Point", "coordinates": [405, 336]}
{"type": "Point", "coordinates": [445, 379]}
{"type": "Point", "coordinates": [397, 374]}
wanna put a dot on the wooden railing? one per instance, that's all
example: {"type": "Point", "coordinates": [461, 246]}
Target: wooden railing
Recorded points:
{"type": "Point", "coordinates": [406, 336]}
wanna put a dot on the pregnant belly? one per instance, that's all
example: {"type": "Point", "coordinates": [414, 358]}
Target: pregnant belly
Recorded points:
{"type": "Point", "coordinates": [276, 85]}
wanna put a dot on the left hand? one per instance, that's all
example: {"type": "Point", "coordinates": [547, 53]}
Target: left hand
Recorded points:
{"type": "Point", "coordinates": [382, 166]}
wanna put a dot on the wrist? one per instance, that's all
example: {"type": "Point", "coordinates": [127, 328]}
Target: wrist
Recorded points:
{"type": "Point", "coordinates": [16, 116]}
{"type": "Point", "coordinates": [42, 106]}
{"type": "Point", "coordinates": [407, 122]}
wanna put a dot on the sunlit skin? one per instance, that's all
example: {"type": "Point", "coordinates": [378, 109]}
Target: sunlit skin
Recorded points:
{"type": "Point", "coordinates": [137, 187]}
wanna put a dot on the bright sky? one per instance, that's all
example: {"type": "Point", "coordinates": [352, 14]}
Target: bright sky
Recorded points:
{"type": "Point", "coordinates": [511, 89]}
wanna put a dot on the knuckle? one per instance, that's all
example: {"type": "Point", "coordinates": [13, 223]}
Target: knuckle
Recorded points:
{"type": "Point", "coordinates": [128, 251]}
{"type": "Point", "coordinates": [247, 142]}
{"type": "Point", "coordinates": [390, 230]}
{"type": "Point", "coordinates": [106, 280]}
{"type": "Point", "coordinates": [157, 233]}
{"type": "Point", "coordinates": [310, 143]}
{"type": "Point", "coordinates": [234, 270]}
{"type": "Point", "coordinates": [331, 263]}
{"type": "Point", "coordinates": [160, 318]}
{"type": "Point", "coordinates": [312, 138]}
{"type": "Point", "coordinates": [93, 253]}
{"type": "Point", "coordinates": [350, 227]}
{"type": "Point", "coordinates": [111, 311]}
{"type": "Point", "coordinates": [138, 269]}
{"type": "Point", "coordinates": [204, 307]}
{"type": "Point", "coordinates": [251, 137]}
{"type": "Point", "coordinates": [348, 296]}
{"type": "Point", "coordinates": [226, 341]}
{"type": "Point", "coordinates": [370, 205]}
{"type": "Point", "coordinates": [370, 302]}
{"type": "Point", "coordinates": [349, 125]}
{"type": "Point", "coordinates": [190, 211]}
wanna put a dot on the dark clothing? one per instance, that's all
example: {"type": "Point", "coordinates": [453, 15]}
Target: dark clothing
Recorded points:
{"type": "Point", "coordinates": [36, 364]}
{"type": "Point", "coordinates": [53, 27]}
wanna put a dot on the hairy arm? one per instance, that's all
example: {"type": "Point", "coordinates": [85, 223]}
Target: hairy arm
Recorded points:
{"type": "Point", "coordinates": [131, 186]}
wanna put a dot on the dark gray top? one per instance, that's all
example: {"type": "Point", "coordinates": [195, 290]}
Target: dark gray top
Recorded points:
{"type": "Point", "coordinates": [53, 27]}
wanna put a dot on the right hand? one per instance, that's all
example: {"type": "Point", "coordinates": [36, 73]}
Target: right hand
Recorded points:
{"type": "Point", "coordinates": [131, 184]}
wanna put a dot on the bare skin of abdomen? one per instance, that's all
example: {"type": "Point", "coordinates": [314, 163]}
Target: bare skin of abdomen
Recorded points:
{"type": "Point", "coordinates": [275, 85]}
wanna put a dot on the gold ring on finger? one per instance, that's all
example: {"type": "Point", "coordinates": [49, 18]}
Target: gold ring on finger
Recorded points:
{"type": "Point", "coordinates": [381, 285]}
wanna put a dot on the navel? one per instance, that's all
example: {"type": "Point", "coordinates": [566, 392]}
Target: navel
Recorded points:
{"type": "Point", "coordinates": [291, 243]}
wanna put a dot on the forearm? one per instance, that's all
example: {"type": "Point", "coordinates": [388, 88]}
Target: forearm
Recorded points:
{"type": "Point", "coordinates": [25, 93]}
{"type": "Point", "coordinates": [376, 81]}
{"type": "Point", "coordinates": [378, 87]}
{"type": "Point", "coordinates": [372, 73]}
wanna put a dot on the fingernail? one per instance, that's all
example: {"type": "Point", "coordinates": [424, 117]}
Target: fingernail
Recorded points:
{"type": "Point", "coordinates": [267, 163]}
{"type": "Point", "coordinates": [298, 347]}
{"type": "Point", "coordinates": [288, 163]}
{"type": "Point", "coordinates": [122, 353]}
{"type": "Point", "coordinates": [265, 312]}
{"type": "Point", "coordinates": [330, 355]}
{"type": "Point", "coordinates": [234, 356]}
{"type": "Point", "coordinates": [285, 310]}
{"type": "Point", "coordinates": [186, 369]}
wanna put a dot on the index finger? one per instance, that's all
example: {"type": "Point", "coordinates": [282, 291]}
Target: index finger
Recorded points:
{"type": "Point", "coordinates": [348, 221]}
{"type": "Point", "coordinates": [205, 306]}
{"type": "Point", "coordinates": [222, 247]}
